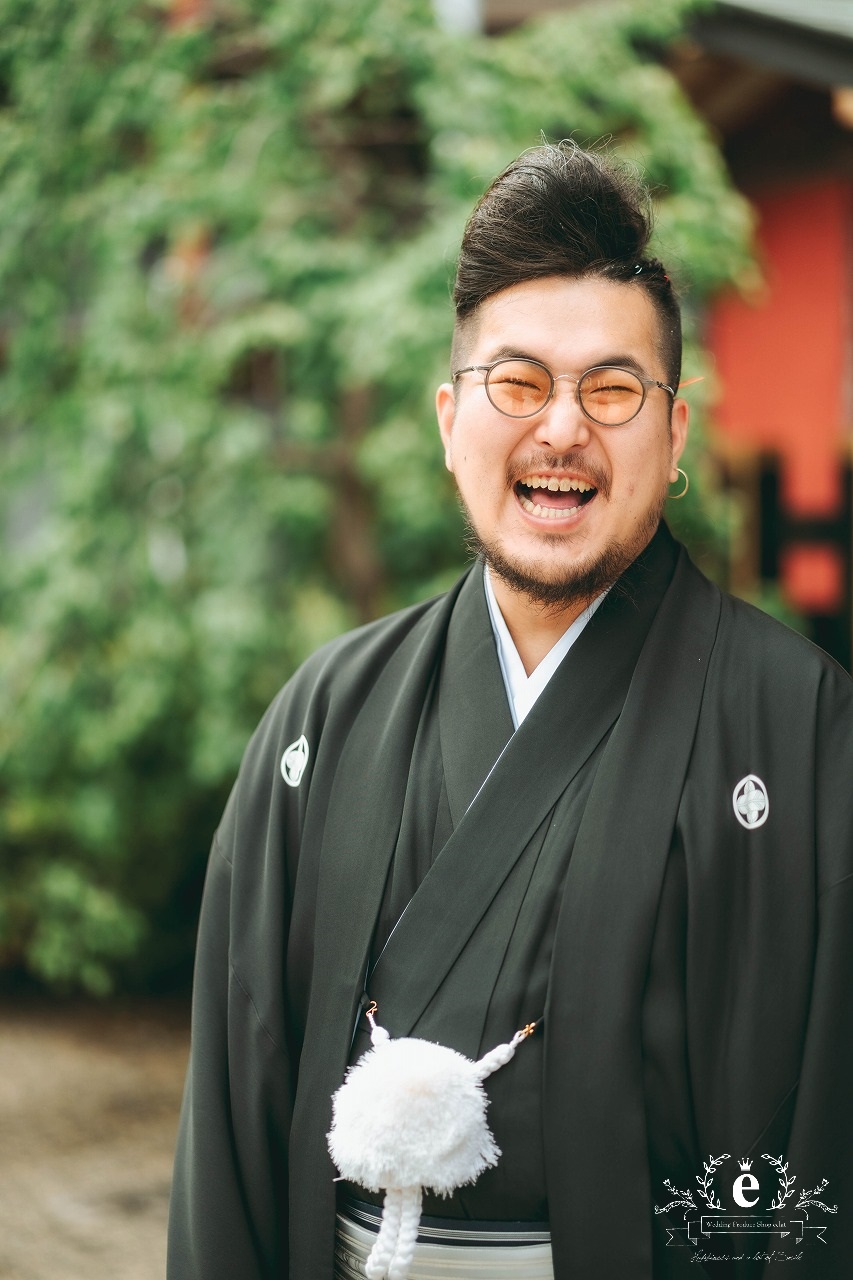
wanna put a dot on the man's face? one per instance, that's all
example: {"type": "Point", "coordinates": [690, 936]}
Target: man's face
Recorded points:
{"type": "Point", "coordinates": [586, 538]}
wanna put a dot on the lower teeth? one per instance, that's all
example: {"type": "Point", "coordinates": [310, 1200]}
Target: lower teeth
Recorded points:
{"type": "Point", "coordinates": [550, 513]}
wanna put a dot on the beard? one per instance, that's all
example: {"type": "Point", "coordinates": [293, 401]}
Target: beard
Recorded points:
{"type": "Point", "coordinates": [552, 586]}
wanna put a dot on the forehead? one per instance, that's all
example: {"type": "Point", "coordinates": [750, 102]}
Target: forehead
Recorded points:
{"type": "Point", "coordinates": [569, 324]}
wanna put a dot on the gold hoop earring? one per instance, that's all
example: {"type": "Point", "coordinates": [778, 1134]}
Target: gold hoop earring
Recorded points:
{"type": "Point", "coordinates": [676, 496]}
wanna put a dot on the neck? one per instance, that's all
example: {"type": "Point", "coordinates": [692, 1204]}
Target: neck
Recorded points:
{"type": "Point", "coordinates": [535, 628]}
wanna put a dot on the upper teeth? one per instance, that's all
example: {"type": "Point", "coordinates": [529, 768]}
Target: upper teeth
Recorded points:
{"type": "Point", "coordinates": [552, 483]}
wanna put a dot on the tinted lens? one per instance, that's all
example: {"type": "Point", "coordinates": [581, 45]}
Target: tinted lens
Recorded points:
{"type": "Point", "coordinates": [518, 387]}
{"type": "Point", "coordinates": [611, 396]}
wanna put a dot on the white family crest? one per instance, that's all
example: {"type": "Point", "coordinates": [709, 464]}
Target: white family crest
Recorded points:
{"type": "Point", "coordinates": [294, 760]}
{"type": "Point", "coordinates": [751, 802]}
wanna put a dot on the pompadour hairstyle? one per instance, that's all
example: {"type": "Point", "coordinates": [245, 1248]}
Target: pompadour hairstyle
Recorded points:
{"type": "Point", "coordinates": [561, 211]}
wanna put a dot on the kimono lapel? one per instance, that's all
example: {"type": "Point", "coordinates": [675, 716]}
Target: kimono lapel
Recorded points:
{"type": "Point", "coordinates": [594, 1103]}
{"type": "Point", "coordinates": [474, 716]}
{"type": "Point", "coordinates": [581, 702]}
{"type": "Point", "coordinates": [363, 815]}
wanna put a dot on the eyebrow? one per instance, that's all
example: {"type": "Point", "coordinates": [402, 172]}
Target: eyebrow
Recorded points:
{"type": "Point", "coordinates": [620, 361]}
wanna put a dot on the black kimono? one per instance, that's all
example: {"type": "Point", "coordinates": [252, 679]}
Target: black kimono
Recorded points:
{"type": "Point", "coordinates": [658, 859]}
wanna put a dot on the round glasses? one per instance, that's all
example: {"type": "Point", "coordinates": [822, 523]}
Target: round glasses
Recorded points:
{"type": "Point", "coordinates": [607, 395]}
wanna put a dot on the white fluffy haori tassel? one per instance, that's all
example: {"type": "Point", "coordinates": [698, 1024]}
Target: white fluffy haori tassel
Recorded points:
{"type": "Point", "coordinates": [412, 1115]}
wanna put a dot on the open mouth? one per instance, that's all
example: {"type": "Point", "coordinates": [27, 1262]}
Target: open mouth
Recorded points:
{"type": "Point", "coordinates": [554, 497]}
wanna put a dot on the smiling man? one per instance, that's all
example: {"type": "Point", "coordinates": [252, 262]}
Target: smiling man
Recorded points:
{"type": "Point", "coordinates": [583, 790]}
{"type": "Point", "coordinates": [564, 486]}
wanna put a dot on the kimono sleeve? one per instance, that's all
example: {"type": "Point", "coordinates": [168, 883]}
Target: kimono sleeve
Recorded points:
{"type": "Point", "coordinates": [821, 1141]}
{"type": "Point", "coordinates": [228, 1214]}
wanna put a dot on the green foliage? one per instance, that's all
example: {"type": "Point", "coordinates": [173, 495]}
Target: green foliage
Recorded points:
{"type": "Point", "coordinates": [225, 255]}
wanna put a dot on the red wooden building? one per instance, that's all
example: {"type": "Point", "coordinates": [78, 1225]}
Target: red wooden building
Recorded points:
{"type": "Point", "coordinates": [774, 78]}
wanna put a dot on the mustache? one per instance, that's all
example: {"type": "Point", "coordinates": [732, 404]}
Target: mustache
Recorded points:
{"type": "Point", "coordinates": [580, 467]}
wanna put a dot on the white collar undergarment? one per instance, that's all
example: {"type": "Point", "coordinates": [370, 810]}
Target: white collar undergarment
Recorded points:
{"type": "Point", "coordinates": [522, 689]}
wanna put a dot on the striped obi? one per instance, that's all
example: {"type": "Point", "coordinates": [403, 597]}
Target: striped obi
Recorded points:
{"type": "Point", "coordinates": [447, 1249]}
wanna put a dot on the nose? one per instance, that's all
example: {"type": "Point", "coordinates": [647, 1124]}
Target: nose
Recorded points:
{"type": "Point", "coordinates": [562, 424]}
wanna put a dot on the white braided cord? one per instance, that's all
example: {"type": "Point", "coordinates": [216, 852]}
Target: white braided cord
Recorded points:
{"type": "Point", "coordinates": [376, 1267]}
{"type": "Point", "coordinates": [497, 1057]}
{"type": "Point", "coordinates": [408, 1234]}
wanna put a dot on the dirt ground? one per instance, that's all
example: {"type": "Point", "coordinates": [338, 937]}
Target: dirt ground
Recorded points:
{"type": "Point", "coordinates": [89, 1099]}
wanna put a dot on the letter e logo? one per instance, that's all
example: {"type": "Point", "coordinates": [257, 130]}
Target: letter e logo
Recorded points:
{"type": "Point", "coordinates": [746, 1182]}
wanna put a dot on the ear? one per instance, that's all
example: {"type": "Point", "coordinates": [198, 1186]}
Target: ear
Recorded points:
{"type": "Point", "coordinates": [445, 409]}
{"type": "Point", "coordinates": [679, 423]}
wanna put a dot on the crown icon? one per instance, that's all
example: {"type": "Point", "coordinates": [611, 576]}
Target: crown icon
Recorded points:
{"type": "Point", "coordinates": [746, 1165]}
